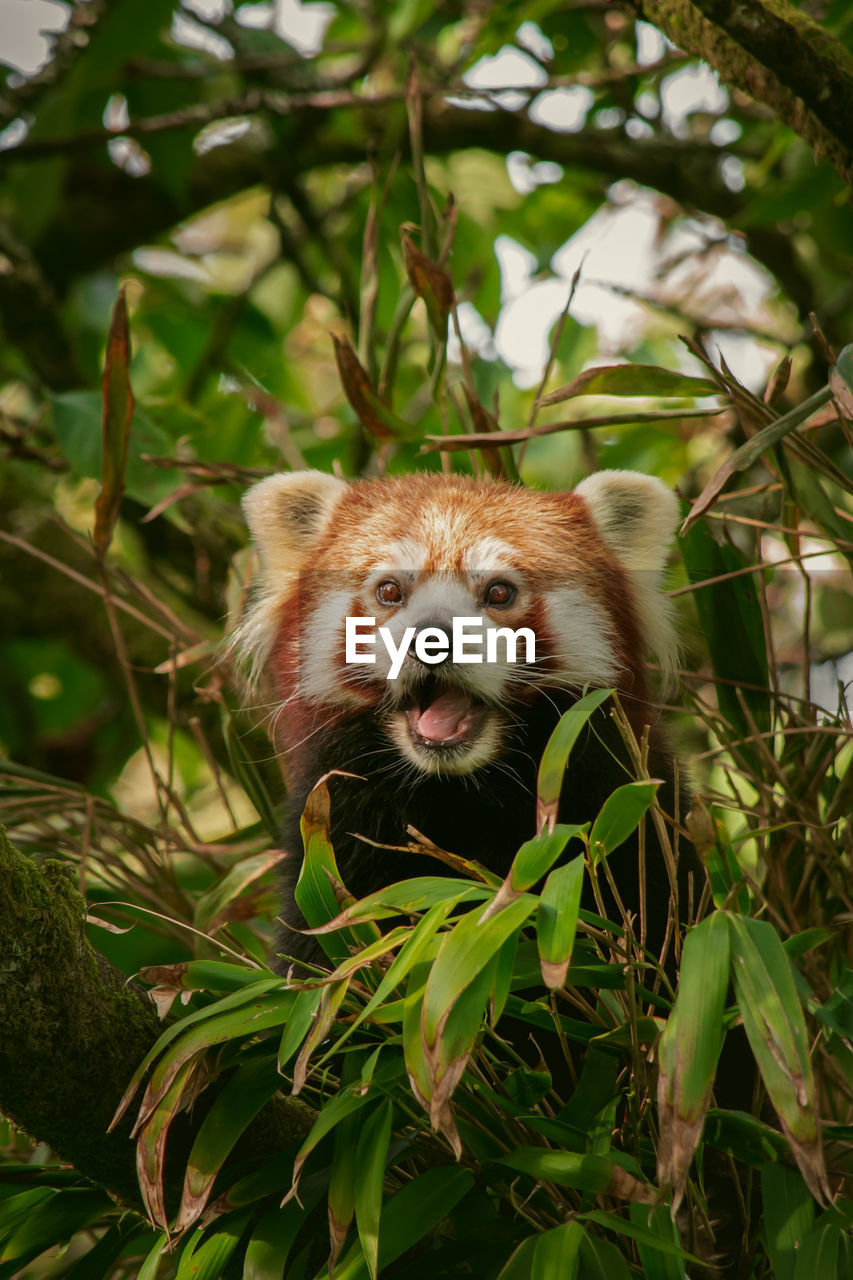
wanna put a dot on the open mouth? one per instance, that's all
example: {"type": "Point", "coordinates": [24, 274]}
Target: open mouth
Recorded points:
{"type": "Point", "coordinates": [442, 715]}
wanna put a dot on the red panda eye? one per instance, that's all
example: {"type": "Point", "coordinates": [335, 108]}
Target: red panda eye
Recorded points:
{"type": "Point", "coordinates": [388, 592]}
{"type": "Point", "coordinates": [500, 593]}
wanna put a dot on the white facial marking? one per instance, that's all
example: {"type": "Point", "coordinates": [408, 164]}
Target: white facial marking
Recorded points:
{"type": "Point", "coordinates": [320, 646]}
{"type": "Point", "coordinates": [487, 555]}
{"type": "Point", "coordinates": [480, 752]}
{"type": "Point", "coordinates": [581, 632]}
{"type": "Point", "coordinates": [406, 556]}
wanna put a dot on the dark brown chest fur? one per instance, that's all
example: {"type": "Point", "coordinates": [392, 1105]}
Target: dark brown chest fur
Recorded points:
{"type": "Point", "coordinates": [484, 816]}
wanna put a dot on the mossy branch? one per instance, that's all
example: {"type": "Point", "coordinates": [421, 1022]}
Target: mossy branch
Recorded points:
{"type": "Point", "coordinates": [73, 1032]}
{"type": "Point", "coordinates": [776, 54]}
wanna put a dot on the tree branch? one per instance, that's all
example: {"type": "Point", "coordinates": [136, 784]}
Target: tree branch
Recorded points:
{"type": "Point", "coordinates": [777, 55]}
{"type": "Point", "coordinates": [73, 1032]}
{"type": "Point", "coordinates": [104, 212]}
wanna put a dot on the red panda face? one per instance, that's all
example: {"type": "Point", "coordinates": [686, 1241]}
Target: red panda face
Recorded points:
{"type": "Point", "coordinates": [552, 592]}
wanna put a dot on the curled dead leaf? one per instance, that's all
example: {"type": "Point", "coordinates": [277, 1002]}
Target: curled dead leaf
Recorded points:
{"type": "Point", "coordinates": [374, 416]}
{"type": "Point", "coordinates": [431, 283]}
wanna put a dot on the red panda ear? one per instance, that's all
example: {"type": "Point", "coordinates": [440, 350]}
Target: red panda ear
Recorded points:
{"type": "Point", "coordinates": [287, 513]}
{"type": "Point", "coordinates": [635, 514]}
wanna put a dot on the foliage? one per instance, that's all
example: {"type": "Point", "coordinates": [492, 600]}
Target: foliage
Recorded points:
{"type": "Point", "coordinates": [500, 1077]}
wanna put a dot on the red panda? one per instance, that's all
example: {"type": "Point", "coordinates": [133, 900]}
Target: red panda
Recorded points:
{"type": "Point", "coordinates": [452, 747]}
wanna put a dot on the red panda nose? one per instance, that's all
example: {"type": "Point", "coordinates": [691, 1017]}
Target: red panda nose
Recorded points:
{"type": "Point", "coordinates": [439, 630]}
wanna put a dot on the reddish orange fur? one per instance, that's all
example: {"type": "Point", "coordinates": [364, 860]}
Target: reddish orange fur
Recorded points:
{"type": "Point", "coordinates": [554, 534]}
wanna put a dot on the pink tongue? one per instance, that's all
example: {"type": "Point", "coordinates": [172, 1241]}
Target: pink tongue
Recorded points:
{"type": "Point", "coordinates": [442, 718]}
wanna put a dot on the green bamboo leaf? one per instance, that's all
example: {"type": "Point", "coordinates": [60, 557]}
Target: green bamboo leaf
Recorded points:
{"type": "Point", "coordinates": [464, 1022]}
{"type": "Point", "coordinates": [789, 1214]}
{"type": "Point", "coordinates": [601, 1260]}
{"type": "Point", "coordinates": [340, 1105]}
{"type": "Point", "coordinates": [370, 1160]}
{"type": "Point", "coordinates": [841, 380]}
{"type": "Point", "coordinates": [799, 944]}
{"type": "Point", "coordinates": [660, 1255]}
{"type": "Point", "coordinates": [153, 1131]}
{"type": "Point", "coordinates": [620, 816]}
{"type": "Point", "coordinates": [627, 1035]}
{"type": "Point", "coordinates": [249, 776]}
{"type": "Point", "coordinates": [837, 1012]}
{"type": "Point", "coordinates": [203, 975]}
{"type": "Point", "coordinates": [533, 860]}
{"type": "Point", "coordinates": [274, 1236]}
{"type": "Point", "coordinates": [750, 452]}
{"type": "Point", "coordinates": [389, 1013]}
{"type": "Point", "coordinates": [593, 1173]}
{"type": "Point", "coordinates": [207, 1259]}
{"type": "Point", "coordinates": [409, 896]}
{"type": "Point", "coordinates": [690, 1048]}
{"type": "Point", "coordinates": [502, 979]}
{"type": "Point", "coordinates": [527, 1087]}
{"type": "Point", "coordinates": [344, 1172]}
{"type": "Point", "coordinates": [189, 1245]}
{"type": "Point", "coordinates": [557, 921]}
{"type": "Point", "coordinates": [729, 613]}
{"type": "Point", "coordinates": [813, 500]}
{"type": "Point", "coordinates": [414, 1050]}
{"type": "Point", "coordinates": [248, 995]}
{"type": "Point", "coordinates": [368, 955]}
{"type": "Point", "coordinates": [631, 380]}
{"type": "Point", "coordinates": [409, 1215]}
{"type": "Point", "coordinates": [659, 1238]}
{"type": "Point", "coordinates": [315, 889]}
{"type": "Point", "coordinates": [151, 1265]}
{"type": "Point", "coordinates": [823, 1255]}
{"type": "Point", "coordinates": [15, 1209]}
{"type": "Point", "coordinates": [299, 1023]}
{"type": "Point", "coordinates": [520, 1262]}
{"type": "Point", "coordinates": [448, 1057]}
{"type": "Point", "coordinates": [56, 1217]}
{"type": "Point", "coordinates": [212, 907]}
{"type": "Point", "coordinates": [711, 842]}
{"type": "Point", "coordinates": [463, 953]}
{"type": "Point", "coordinates": [422, 944]}
{"type": "Point", "coordinates": [99, 1261]}
{"type": "Point", "coordinates": [557, 1253]}
{"type": "Point", "coordinates": [776, 1029]}
{"type": "Point", "coordinates": [117, 413]}
{"type": "Point", "coordinates": [78, 426]}
{"type": "Point", "coordinates": [555, 757]}
{"type": "Point", "coordinates": [248, 1018]}
{"type": "Point", "coordinates": [537, 856]}
{"type": "Point", "coordinates": [537, 1014]}
{"type": "Point", "coordinates": [745, 1137]}
{"type": "Point", "coordinates": [594, 1093]}
{"type": "Point", "coordinates": [369, 1069]}
{"type": "Point", "coordinates": [237, 1103]}
{"type": "Point", "coordinates": [334, 994]}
